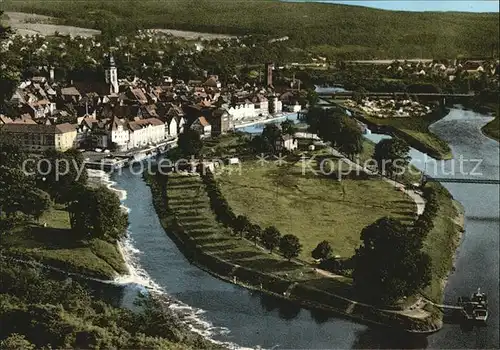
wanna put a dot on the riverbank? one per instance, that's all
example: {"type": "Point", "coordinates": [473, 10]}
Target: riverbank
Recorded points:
{"type": "Point", "coordinates": [443, 241]}
{"type": "Point", "coordinates": [204, 242]}
{"type": "Point", "coordinates": [51, 243]}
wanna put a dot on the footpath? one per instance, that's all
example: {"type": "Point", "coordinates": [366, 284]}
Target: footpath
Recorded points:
{"type": "Point", "coordinates": [414, 195]}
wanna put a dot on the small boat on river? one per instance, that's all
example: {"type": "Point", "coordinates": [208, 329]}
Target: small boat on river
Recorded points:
{"type": "Point", "coordinates": [475, 307]}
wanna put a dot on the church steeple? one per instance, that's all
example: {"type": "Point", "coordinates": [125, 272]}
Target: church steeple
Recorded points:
{"type": "Point", "coordinates": [112, 76]}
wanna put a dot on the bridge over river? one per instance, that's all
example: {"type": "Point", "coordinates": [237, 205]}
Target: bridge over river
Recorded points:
{"type": "Point", "coordinates": [427, 178]}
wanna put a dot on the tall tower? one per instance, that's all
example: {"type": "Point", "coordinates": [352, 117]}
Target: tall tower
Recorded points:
{"type": "Point", "coordinates": [269, 73]}
{"type": "Point", "coordinates": [112, 76]}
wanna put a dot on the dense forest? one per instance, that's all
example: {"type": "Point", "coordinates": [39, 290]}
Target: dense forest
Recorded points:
{"type": "Point", "coordinates": [347, 31]}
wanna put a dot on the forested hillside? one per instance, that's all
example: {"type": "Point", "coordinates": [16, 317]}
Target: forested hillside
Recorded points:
{"type": "Point", "coordinates": [362, 32]}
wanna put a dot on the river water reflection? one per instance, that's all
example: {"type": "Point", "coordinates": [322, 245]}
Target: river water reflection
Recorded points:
{"type": "Point", "coordinates": [232, 314]}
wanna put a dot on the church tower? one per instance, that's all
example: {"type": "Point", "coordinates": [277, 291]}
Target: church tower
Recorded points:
{"type": "Point", "coordinates": [112, 76]}
{"type": "Point", "coordinates": [269, 74]}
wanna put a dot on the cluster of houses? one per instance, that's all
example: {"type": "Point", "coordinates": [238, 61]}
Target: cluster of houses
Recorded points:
{"type": "Point", "coordinates": [125, 115]}
{"type": "Point", "coordinates": [390, 108]}
{"type": "Point", "coordinates": [448, 70]}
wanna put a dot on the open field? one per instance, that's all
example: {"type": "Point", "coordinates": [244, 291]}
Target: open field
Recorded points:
{"type": "Point", "coordinates": [31, 24]}
{"type": "Point", "coordinates": [351, 32]}
{"type": "Point", "coordinates": [189, 35]}
{"type": "Point", "coordinates": [54, 245]}
{"type": "Point", "coordinates": [312, 207]}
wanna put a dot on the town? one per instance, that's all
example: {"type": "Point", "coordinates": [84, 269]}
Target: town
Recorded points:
{"type": "Point", "coordinates": [131, 115]}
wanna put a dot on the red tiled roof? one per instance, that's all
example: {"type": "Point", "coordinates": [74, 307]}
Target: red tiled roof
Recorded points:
{"type": "Point", "coordinates": [203, 121]}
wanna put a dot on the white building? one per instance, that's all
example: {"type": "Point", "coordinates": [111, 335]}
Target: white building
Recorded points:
{"type": "Point", "coordinates": [145, 131]}
{"type": "Point", "coordinates": [276, 106]}
{"type": "Point", "coordinates": [119, 133]}
{"type": "Point", "coordinates": [241, 111]}
{"type": "Point", "coordinates": [287, 142]}
{"type": "Point", "coordinates": [261, 105]}
{"type": "Point", "coordinates": [171, 127]}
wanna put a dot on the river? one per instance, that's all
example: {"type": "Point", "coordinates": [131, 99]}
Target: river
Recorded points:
{"type": "Point", "coordinates": [234, 315]}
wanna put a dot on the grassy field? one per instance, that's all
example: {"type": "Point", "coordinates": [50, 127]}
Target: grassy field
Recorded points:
{"type": "Point", "coordinates": [312, 207]}
{"type": "Point", "coordinates": [54, 245]}
{"type": "Point", "coordinates": [353, 32]}
{"type": "Point", "coordinates": [189, 201]}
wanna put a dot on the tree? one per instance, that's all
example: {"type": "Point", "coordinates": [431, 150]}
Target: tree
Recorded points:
{"type": "Point", "coordinates": [271, 134]}
{"type": "Point", "coordinates": [327, 124]}
{"type": "Point", "coordinates": [241, 225]}
{"type": "Point", "coordinates": [260, 144]}
{"type": "Point", "coordinates": [254, 232]}
{"type": "Point", "coordinates": [189, 143]}
{"type": "Point", "coordinates": [36, 202]}
{"type": "Point", "coordinates": [14, 186]}
{"type": "Point", "coordinates": [290, 246]}
{"type": "Point", "coordinates": [97, 213]}
{"type": "Point", "coordinates": [11, 156]}
{"type": "Point", "coordinates": [392, 156]}
{"type": "Point", "coordinates": [62, 172]}
{"type": "Point", "coordinates": [322, 251]}
{"type": "Point", "coordinates": [313, 117]}
{"type": "Point", "coordinates": [350, 138]}
{"type": "Point", "coordinates": [312, 98]}
{"type": "Point", "coordinates": [271, 238]}
{"type": "Point", "coordinates": [9, 75]}
{"type": "Point", "coordinates": [288, 127]}
{"type": "Point", "coordinates": [389, 264]}
{"type": "Point", "coordinates": [16, 341]}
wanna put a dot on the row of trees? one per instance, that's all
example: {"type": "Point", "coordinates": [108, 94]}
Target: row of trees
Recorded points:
{"type": "Point", "coordinates": [390, 263]}
{"type": "Point", "coordinates": [270, 237]}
